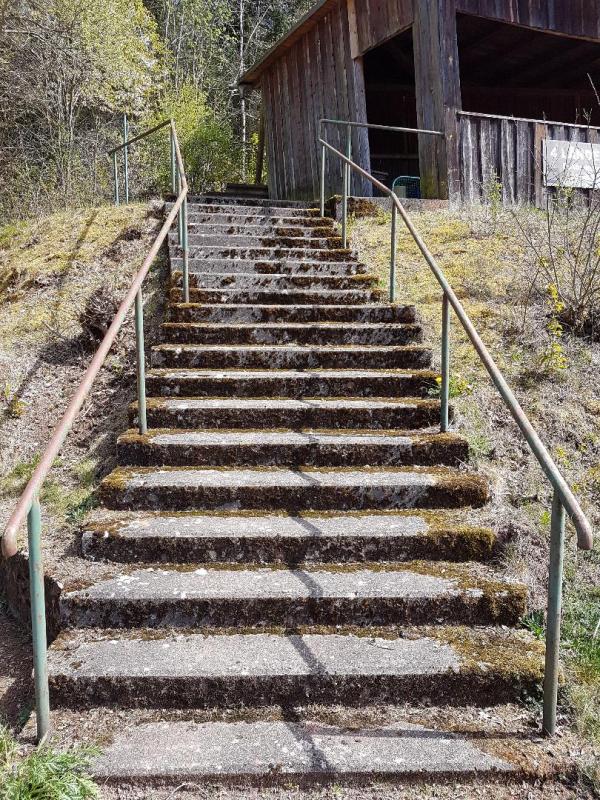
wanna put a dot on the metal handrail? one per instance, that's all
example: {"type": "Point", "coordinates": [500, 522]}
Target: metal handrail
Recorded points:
{"type": "Point", "coordinates": [563, 498]}
{"type": "Point", "coordinates": [28, 504]}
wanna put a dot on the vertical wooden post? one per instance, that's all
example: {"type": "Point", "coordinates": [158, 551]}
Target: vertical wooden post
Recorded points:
{"type": "Point", "coordinates": [437, 84]}
{"type": "Point", "coordinates": [260, 155]}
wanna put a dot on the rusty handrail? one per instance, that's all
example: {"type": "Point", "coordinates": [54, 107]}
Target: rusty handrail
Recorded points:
{"type": "Point", "coordinates": [28, 504]}
{"type": "Point", "coordinates": [563, 498]}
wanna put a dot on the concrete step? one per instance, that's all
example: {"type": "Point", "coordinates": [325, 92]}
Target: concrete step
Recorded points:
{"type": "Point", "coordinates": [274, 240]}
{"type": "Point", "coordinates": [342, 749]}
{"type": "Point", "coordinates": [303, 489]}
{"type": "Point", "coordinates": [289, 383]}
{"type": "Point", "coordinates": [268, 267]}
{"type": "Point", "coordinates": [129, 669]}
{"type": "Point", "coordinates": [216, 200]}
{"type": "Point", "coordinates": [294, 297]}
{"type": "Point", "coordinates": [290, 333]}
{"type": "Point", "coordinates": [256, 229]}
{"type": "Point", "coordinates": [414, 593]}
{"type": "Point", "coordinates": [276, 282]}
{"type": "Point", "coordinates": [291, 357]}
{"type": "Point", "coordinates": [309, 538]}
{"type": "Point", "coordinates": [274, 253]}
{"type": "Point", "coordinates": [292, 314]}
{"type": "Point", "coordinates": [257, 217]}
{"type": "Point", "coordinates": [308, 412]}
{"type": "Point", "coordinates": [286, 448]}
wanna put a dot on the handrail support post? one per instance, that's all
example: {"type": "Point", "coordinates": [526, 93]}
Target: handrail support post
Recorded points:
{"type": "Point", "coordinates": [393, 246]}
{"type": "Point", "coordinates": [173, 163]}
{"type": "Point", "coordinates": [141, 363]}
{"type": "Point", "coordinates": [126, 157]}
{"type": "Point", "coordinates": [38, 621]}
{"type": "Point", "coordinates": [553, 618]}
{"type": "Point", "coordinates": [186, 253]}
{"type": "Point", "coordinates": [346, 188]}
{"type": "Point", "coordinates": [323, 156]}
{"type": "Point", "coordinates": [445, 382]}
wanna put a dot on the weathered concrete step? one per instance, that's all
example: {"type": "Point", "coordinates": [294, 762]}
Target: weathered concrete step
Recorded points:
{"type": "Point", "coordinates": [286, 448]}
{"type": "Point", "coordinates": [319, 297]}
{"type": "Point", "coordinates": [309, 412]}
{"type": "Point", "coordinates": [263, 753]}
{"type": "Point", "coordinates": [268, 267]}
{"type": "Point", "coordinates": [256, 217]}
{"type": "Point", "coordinates": [277, 282]}
{"type": "Point", "coordinates": [415, 593]}
{"type": "Point", "coordinates": [291, 356]}
{"type": "Point", "coordinates": [305, 314]}
{"type": "Point", "coordinates": [216, 200]}
{"type": "Point", "coordinates": [339, 489]}
{"type": "Point", "coordinates": [274, 240]}
{"type": "Point", "coordinates": [292, 333]}
{"type": "Point", "coordinates": [257, 229]}
{"type": "Point", "coordinates": [456, 666]}
{"type": "Point", "coordinates": [289, 383]}
{"type": "Point", "coordinates": [275, 253]}
{"type": "Point", "coordinates": [209, 538]}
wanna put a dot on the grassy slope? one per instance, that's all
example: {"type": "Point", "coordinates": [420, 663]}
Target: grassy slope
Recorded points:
{"type": "Point", "coordinates": [49, 268]}
{"type": "Point", "coordinates": [488, 266]}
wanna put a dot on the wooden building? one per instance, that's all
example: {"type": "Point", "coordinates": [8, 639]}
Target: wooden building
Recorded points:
{"type": "Point", "coordinates": [486, 73]}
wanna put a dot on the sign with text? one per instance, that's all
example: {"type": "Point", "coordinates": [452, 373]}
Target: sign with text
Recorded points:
{"type": "Point", "coordinates": [571, 164]}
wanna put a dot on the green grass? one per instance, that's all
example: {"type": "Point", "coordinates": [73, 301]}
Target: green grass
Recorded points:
{"type": "Point", "coordinates": [44, 774]}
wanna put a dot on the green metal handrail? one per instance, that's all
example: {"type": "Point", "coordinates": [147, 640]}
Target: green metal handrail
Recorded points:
{"type": "Point", "coordinates": [563, 499]}
{"type": "Point", "coordinates": [28, 505]}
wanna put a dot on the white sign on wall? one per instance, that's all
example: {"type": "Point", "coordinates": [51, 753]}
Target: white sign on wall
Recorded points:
{"type": "Point", "coordinates": [571, 164]}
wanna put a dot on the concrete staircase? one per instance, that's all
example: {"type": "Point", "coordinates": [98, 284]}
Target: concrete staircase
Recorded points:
{"type": "Point", "coordinates": [290, 540]}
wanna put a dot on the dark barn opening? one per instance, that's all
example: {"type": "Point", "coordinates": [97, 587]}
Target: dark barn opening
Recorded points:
{"type": "Point", "coordinates": [389, 71]}
{"type": "Point", "coordinates": [520, 72]}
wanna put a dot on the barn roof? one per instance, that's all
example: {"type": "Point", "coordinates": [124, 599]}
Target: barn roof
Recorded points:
{"type": "Point", "coordinates": [305, 23]}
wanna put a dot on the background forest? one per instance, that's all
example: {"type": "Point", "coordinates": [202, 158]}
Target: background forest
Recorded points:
{"type": "Point", "coordinates": [69, 69]}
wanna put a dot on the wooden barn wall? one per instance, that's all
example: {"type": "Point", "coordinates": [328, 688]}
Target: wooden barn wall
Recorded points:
{"type": "Point", "coordinates": [378, 20]}
{"type": "Point", "coordinates": [570, 17]}
{"type": "Point", "coordinates": [509, 151]}
{"type": "Point", "coordinates": [315, 78]}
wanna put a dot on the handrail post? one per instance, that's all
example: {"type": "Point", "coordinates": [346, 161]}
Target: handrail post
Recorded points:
{"type": "Point", "coordinates": [323, 156]}
{"type": "Point", "coordinates": [38, 620]}
{"type": "Point", "coordinates": [173, 163]}
{"type": "Point", "coordinates": [445, 385]}
{"type": "Point", "coordinates": [393, 245]}
{"type": "Point", "coordinates": [346, 188]}
{"type": "Point", "coordinates": [186, 253]}
{"type": "Point", "coordinates": [555, 580]}
{"type": "Point", "coordinates": [141, 363]}
{"type": "Point", "coordinates": [179, 215]}
{"type": "Point", "coordinates": [116, 178]}
{"type": "Point", "coordinates": [126, 157]}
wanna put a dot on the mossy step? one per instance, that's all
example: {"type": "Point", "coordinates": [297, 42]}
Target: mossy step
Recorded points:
{"type": "Point", "coordinates": [286, 448]}
{"type": "Point", "coordinates": [214, 239]}
{"type": "Point", "coordinates": [276, 281]}
{"type": "Point", "coordinates": [361, 595]}
{"type": "Point", "coordinates": [308, 412]}
{"type": "Point", "coordinates": [292, 333]}
{"type": "Point", "coordinates": [279, 297]}
{"type": "Point", "coordinates": [266, 267]}
{"type": "Point", "coordinates": [289, 383]}
{"type": "Point", "coordinates": [216, 200]}
{"type": "Point", "coordinates": [241, 220]}
{"type": "Point", "coordinates": [291, 356]}
{"type": "Point", "coordinates": [289, 313]}
{"type": "Point", "coordinates": [182, 489]}
{"type": "Point", "coordinates": [273, 252]}
{"type": "Point", "coordinates": [258, 229]}
{"type": "Point", "coordinates": [130, 669]}
{"type": "Point", "coordinates": [262, 538]}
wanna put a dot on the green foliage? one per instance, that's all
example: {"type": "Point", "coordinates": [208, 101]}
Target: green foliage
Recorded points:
{"type": "Point", "coordinates": [45, 774]}
{"type": "Point", "coordinates": [457, 386]}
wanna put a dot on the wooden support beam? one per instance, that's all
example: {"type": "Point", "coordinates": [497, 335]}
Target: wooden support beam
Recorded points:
{"type": "Point", "coordinates": [353, 27]}
{"type": "Point", "coordinates": [437, 83]}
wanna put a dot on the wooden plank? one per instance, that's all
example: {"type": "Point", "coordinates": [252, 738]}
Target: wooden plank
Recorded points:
{"type": "Point", "coordinates": [305, 68]}
{"type": "Point", "coordinates": [508, 160]}
{"type": "Point", "coordinates": [330, 103]}
{"type": "Point", "coordinates": [297, 125]}
{"type": "Point", "coordinates": [270, 145]}
{"type": "Point", "coordinates": [353, 29]}
{"type": "Point", "coordinates": [358, 112]}
{"type": "Point", "coordinates": [540, 133]}
{"type": "Point", "coordinates": [524, 158]}
{"type": "Point", "coordinates": [579, 18]}
{"type": "Point", "coordinates": [276, 164]}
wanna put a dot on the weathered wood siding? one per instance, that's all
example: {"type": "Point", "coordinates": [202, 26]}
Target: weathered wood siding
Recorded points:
{"type": "Point", "coordinates": [315, 78]}
{"type": "Point", "coordinates": [509, 151]}
{"type": "Point", "coordinates": [570, 17]}
{"type": "Point", "coordinates": [378, 20]}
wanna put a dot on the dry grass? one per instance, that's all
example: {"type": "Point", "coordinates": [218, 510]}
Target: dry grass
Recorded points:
{"type": "Point", "coordinates": [488, 264]}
